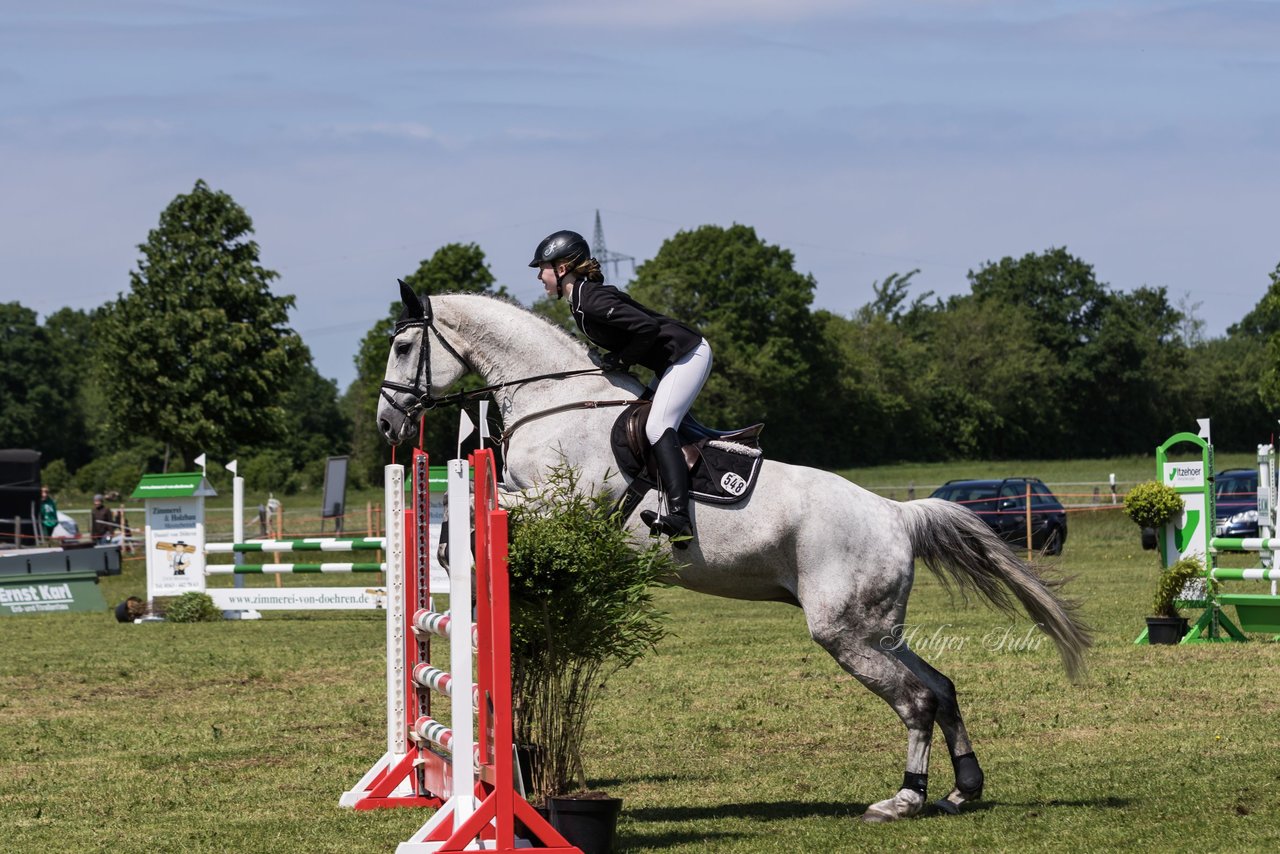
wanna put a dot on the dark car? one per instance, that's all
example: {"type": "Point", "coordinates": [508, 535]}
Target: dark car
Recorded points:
{"type": "Point", "coordinates": [1002, 504]}
{"type": "Point", "coordinates": [1235, 499]}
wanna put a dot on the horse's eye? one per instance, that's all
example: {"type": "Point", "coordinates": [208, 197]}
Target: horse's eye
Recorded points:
{"type": "Point", "coordinates": [403, 347]}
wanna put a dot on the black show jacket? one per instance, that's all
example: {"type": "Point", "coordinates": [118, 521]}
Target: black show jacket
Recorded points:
{"type": "Point", "coordinates": [614, 321]}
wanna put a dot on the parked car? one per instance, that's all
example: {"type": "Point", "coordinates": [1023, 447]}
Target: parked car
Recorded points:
{"type": "Point", "coordinates": [1002, 505]}
{"type": "Point", "coordinates": [1235, 499]}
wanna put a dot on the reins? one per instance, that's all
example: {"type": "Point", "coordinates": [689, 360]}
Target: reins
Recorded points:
{"type": "Point", "coordinates": [423, 399]}
{"type": "Point", "coordinates": [473, 393]}
{"type": "Point", "coordinates": [564, 407]}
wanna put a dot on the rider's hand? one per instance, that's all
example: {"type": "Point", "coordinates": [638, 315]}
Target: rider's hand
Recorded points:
{"type": "Point", "coordinates": [611, 362]}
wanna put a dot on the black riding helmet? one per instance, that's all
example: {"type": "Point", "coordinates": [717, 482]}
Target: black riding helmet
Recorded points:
{"type": "Point", "coordinates": [560, 246]}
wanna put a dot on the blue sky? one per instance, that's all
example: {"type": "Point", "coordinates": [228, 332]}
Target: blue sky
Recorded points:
{"type": "Point", "coordinates": [866, 137]}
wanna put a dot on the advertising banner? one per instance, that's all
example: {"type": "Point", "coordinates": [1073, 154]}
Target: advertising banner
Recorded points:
{"type": "Point", "coordinates": [175, 546]}
{"type": "Point", "coordinates": [43, 596]}
{"type": "Point", "coordinates": [298, 598]}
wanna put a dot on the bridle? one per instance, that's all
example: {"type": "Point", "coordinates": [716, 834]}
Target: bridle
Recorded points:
{"type": "Point", "coordinates": [422, 398]}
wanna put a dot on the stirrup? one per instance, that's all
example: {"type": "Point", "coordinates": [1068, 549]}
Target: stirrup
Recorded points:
{"type": "Point", "coordinates": [676, 527]}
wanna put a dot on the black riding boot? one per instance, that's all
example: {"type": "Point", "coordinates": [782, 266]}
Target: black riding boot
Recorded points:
{"type": "Point", "coordinates": [674, 477]}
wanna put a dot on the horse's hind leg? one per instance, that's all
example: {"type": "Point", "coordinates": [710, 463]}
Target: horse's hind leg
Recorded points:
{"type": "Point", "coordinates": [969, 778]}
{"type": "Point", "coordinates": [872, 661]}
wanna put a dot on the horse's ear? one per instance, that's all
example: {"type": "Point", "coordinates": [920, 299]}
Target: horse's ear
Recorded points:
{"type": "Point", "coordinates": [412, 305]}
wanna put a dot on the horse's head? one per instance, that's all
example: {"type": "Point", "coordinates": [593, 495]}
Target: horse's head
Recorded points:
{"type": "Point", "coordinates": [421, 364]}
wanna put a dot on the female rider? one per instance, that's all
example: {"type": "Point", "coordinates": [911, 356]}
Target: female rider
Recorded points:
{"type": "Point", "coordinates": [631, 334]}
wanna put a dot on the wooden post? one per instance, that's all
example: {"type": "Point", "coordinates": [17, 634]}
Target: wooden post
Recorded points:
{"type": "Point", "coordinates": [1028, 522]}
{"type": "Point", "coordinates": [369, 532]}
{"type": "Point", "coordinates": [279, 536]}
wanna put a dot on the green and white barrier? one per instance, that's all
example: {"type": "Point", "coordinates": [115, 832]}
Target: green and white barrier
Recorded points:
{"type": "Point", "coordinates": [307, 544]}
{"type": "Point", "coordinates": [177, 554]}
{"type": "Point", "coordinates": [1192, 534]}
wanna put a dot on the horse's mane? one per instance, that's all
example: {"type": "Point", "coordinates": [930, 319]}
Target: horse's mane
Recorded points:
{"type": "Point", "coordinates": [575, 350]}
{"type": "Point", "coordinates": [509, 302]}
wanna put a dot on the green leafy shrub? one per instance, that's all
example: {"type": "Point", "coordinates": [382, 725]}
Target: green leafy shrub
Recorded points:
{"type": "Point", "coordinates": [120, 472]}
{"type": "Point", "coordinates": [1173, 581]}
{"type": "Point", "coordinates": [271, 471]}
{"type": "Point", "coordinates": [1152, 504]}
{"type": "Point", "coordinates": [192, 607]}
{"type": "Point", "coordinates": [581, 609]}
{"type": "Point", "coordinates": [55, 476]}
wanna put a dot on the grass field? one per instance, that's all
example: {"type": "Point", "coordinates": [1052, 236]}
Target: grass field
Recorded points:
{"type": "Point", "coordinates": [738, 734]}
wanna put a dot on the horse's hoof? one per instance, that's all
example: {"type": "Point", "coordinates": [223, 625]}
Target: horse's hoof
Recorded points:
{"type": "Point", "coordinates": [952, 803]}
{"type": "Point", "coordinates": [905, 804]}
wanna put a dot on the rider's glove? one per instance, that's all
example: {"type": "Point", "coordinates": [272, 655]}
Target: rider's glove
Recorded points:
{"type": "Point", "coordinates": [611, 362]}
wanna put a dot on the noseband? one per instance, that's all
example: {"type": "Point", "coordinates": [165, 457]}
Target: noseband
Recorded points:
{"type": "Point", "coordinates": [422, 397]}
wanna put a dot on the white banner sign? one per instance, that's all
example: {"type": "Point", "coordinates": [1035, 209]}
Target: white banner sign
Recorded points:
{"type": "Point", "coordinates": [299, 598]}
{"type": "Point", "coordinates": [175, 546]}
{"type": "Point", "coordinates": [1184, 474]}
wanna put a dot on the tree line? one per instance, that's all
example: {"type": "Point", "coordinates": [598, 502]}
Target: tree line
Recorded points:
{"type": "Point", "coordinates": [1039, 359]}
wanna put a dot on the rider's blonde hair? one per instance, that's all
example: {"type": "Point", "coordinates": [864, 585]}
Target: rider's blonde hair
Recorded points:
{"type": "Point", "coordinates": [588, 269]}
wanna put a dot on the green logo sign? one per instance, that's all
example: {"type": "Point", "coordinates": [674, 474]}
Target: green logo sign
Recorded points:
{"type": "Point", "coordinates": [1182, 536]}
{"type": "Point", "coordinates": [20, 596]}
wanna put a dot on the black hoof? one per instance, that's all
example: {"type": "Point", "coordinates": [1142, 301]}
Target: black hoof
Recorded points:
{"type": "Point", "coordinates": [945, 806]}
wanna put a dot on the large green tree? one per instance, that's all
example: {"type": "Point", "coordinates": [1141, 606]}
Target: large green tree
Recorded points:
{"type": "Point", "coordinates": [198, 353]}
{"type": "Point", "coordinates": [989, 383]}
{"type": "Point", "coordinates": [1263, 323]}
{"type": "Point", "coordinates": [1116, 355]}
{"type": "Point", "coordinates": [1129, 376]}
{"type": "Point", "coordinates": [1065, 300]}
{"type": "Point", "coordinates": [453, 268]}
{"type": "Point", "coordinates": [43, 370]}
{"type": "Point", "coordinates": [1222, 382]}
{"type": "Point", "coordinates": [746, 297]}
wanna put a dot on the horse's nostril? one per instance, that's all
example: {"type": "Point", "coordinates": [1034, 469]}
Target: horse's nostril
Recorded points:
{"type": "Point", "coordinates": [385, 426]}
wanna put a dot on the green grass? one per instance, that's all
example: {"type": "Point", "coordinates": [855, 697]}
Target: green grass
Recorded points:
{"type": "Point", "coordinates": [737, 735]}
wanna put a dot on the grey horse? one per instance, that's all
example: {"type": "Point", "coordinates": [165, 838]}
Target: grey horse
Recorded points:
{"type": "Point", "coordinates": [804, 536]}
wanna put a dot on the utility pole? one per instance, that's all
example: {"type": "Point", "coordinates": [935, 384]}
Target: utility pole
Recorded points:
{"type": "Point", "coordinates": [602, 253]}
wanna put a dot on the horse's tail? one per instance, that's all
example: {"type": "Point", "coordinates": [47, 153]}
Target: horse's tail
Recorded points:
{"type": "Point", "coordinates": [958, 546]}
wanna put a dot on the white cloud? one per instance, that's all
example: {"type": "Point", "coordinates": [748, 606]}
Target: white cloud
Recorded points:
{"type": "Point", "coordinates": [665, 14]}
{"type": "Point", "coordinates": [414, 131]}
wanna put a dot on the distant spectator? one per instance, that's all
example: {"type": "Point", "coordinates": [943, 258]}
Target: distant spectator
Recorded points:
{"type": "Point", "coordinates": [48, 511]}
{"type": "Point", "coordinates": [103, 528]}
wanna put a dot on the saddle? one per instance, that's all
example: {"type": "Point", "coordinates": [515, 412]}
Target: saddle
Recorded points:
{"type": "Point", "coordinates": [723, 464]}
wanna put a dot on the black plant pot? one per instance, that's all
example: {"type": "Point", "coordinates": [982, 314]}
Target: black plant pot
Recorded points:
{"type": "Point", "coordinates": [590, 823]}
{"type": "Point", "coordinates": [1166, 630]}
{"type": "Point", "coordinates": [522, 830]}
{"type": "Point", "coordinates": [529, 757]}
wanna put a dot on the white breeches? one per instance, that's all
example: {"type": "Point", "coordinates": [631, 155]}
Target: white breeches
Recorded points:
{"type": "Point", "coordinates": [676, 391]}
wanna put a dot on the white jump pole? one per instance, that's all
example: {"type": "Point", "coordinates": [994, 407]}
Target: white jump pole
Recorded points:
{"type": "Point", "coordinates": [462, 802]}
{"type": "Point", "coordinates": [397, 620]}
{"type": "Point", "coordinates": [461, 559]}
{"type": "Point", "coordinates": [237, 534]}
{"type": "Point", "coordinates": [237, 515]}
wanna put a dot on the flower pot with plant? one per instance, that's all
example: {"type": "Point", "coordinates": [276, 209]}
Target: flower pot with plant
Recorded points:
{"type": "Point", "coordinates": [1153, 505]}
{"type": "Point", "coordinates": [581, 609]}
{"type": "Point", "coordinates": [1182, 580]}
